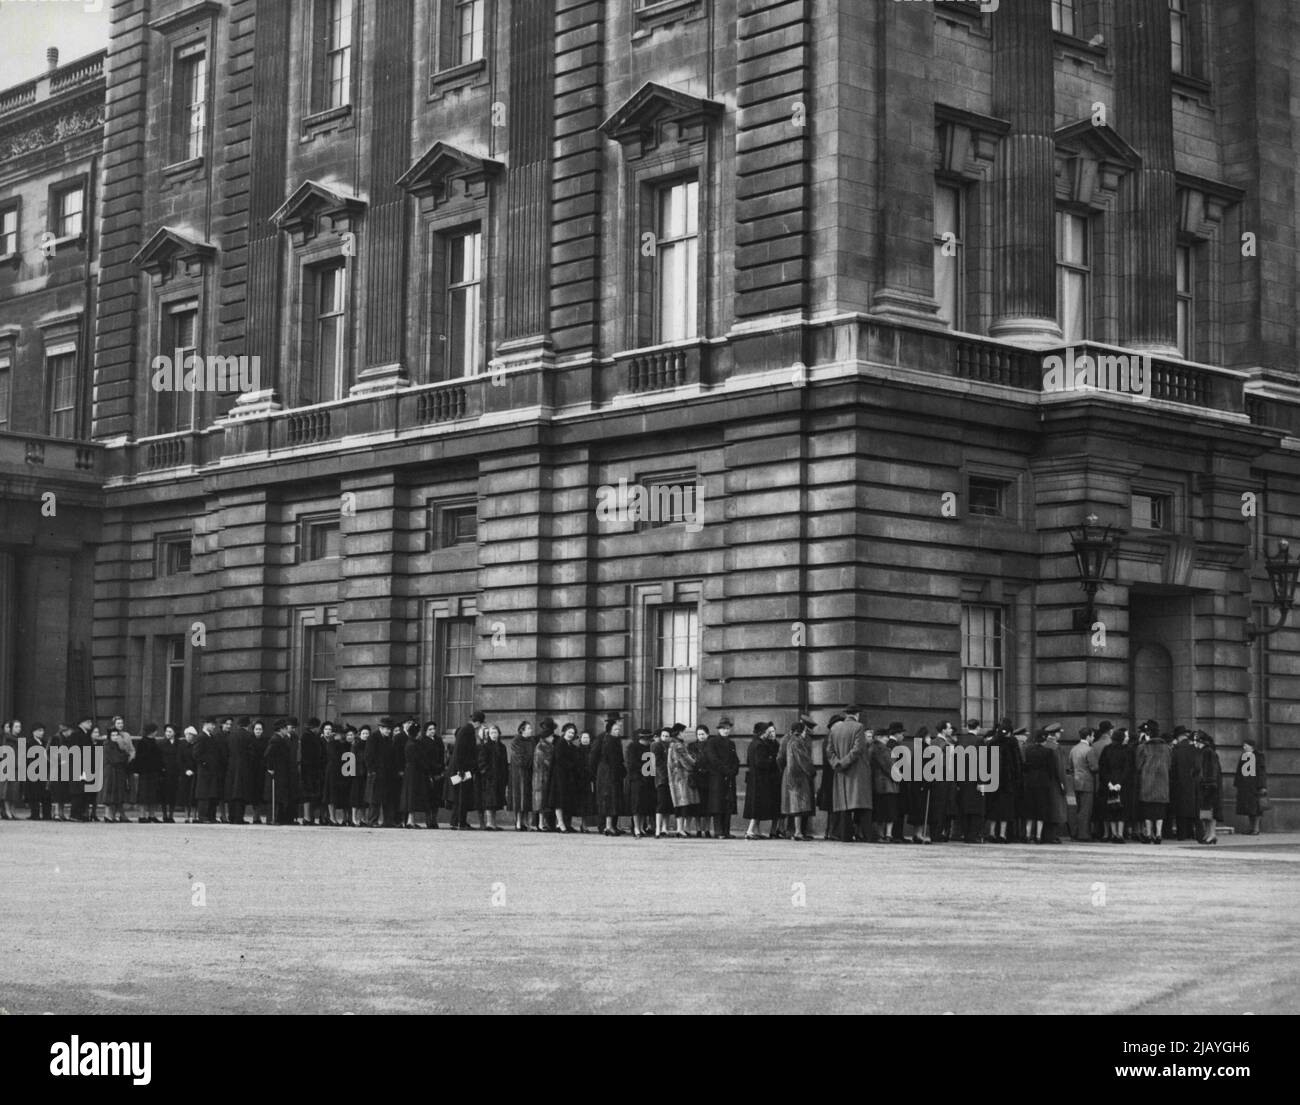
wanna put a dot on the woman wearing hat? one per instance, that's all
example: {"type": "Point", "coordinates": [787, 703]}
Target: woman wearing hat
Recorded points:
{"type": "Point", "coordinates": [608, 769]}
{"type": "Point", "coordinates": [683, 765]}
{"type": "Point", "coordinates": [523, 753]}
{"type": "Point", "coordinates": [1252, 785]}
{"type": "Point", "coordinates": [543, 772]}
{"type": "Point", "coordinates": [1042, 778]}
{"type": "Point", "coordinates": [148, 766]}
{"type": "Point", "coordinates": [641, 795]}
{"type": "Point", "coordinates": [794, 760]}
{"type": "Point", "coordinates": [663, 795]}
{"type": "Point", "coordinates": [1153, 759]}
{"type": "Point", "coordinates": [493, 778]}
{"type": "Point", "coordinates": [571, 769]}
{"type": "Point", "coordinates": [1114, 783]}
{"type": "Point", "coordinates": [1000, 805]}
{"type": "Point", "coordinates": [558, 794]}
{"type": "Point", "coordinates": [763, 783]}
{"type": "Point", "coordinates": [717, 759]}
{"type": "Point", "coordinates": [118, 754]}
{"type": "Point", "coordinates": [884, 788]}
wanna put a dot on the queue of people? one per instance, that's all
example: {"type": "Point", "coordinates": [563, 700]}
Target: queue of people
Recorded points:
{"type": "Point", "coordinates": [1110, 785]}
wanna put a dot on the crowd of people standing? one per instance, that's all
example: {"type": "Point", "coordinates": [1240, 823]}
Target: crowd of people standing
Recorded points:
{"type": "Point", "coordinates": [1110, 785]}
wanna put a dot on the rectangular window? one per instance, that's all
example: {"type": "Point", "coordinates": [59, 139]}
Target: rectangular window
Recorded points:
{"type": "Point", "coordinates": [190, 107]}
{"type": "Point", "coordinates": [464, 306]}
{"type": "Point", "coordinates": [987, 497]}
{"type": "Point", "coordinates": [6, 390]}
{"type": "Point", "coordinates": [69, 205]}
{"type": "Point", "coordinates": [1065, 17]}
{"type": "Point", "coordinates": [338, 54]}
{"type": "Point", "coordinates": [175, 407]}
{"type": "Point", "coordinates": [61, 371]}
{"type": "Point", "coordinates": [174, 707]}
{"type": "Point", "coordinates": [319, 647]}
{"type": "Point", "coordinates": [8, 231]}
{"type": "Point", "coordinates": [1151, 511]}
{"type": "Point", "coordinates": [1073, 275]}
{"type": "Point", "coordinates": [318, 539]}
{"type": "Point", "coordinates": [469, 31]}
{"type": "Point", "coordinates": [453, 522]}
{"type": "Point", "coordinates": [323, 361]}
{"type": "Point", "coordinates": [1179, 38]}
{"type": "Point", "coordinates": [677, 256]}
{"type": "Point", "coordinates": [174, 553]}
{"type": "Point", "coordinates": [1184, 277]}
{"type": "Point", "coordinates": [676, 664]}
{"type": "Point", "coordinates": [668, 500]}
{"type": "Point", "coordinates": [983, 666]}
{"type": "Point", "coordinates": [949, 253]}
{"type": "Point", "coordinates": [455, 655]}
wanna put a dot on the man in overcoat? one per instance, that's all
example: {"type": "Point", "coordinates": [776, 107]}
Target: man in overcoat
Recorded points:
{"type": "Point", "coordinates": [848, 756]}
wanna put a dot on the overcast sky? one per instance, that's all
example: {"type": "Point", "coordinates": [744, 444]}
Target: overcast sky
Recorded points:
{"type": "Point", "coordinates": [29, 27]}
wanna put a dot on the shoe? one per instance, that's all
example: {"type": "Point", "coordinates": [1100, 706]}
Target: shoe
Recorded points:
{"type": "Point", "coordinates": [750, 836]}
{"type": "Point", "coordinates": [1158, 840]}
{"type": "Point", "coordinates": [606, 832]}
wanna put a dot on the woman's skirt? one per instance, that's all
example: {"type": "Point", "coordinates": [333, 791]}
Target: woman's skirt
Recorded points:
{"type": "Point", "coordinates": [663, 799]}
{"type": "Point", "coordinates": [149, 792]}
{"type": "Point", "coordinates": [1153, 811]}
{"type": "Point", "coordinates": [885, 809]}
{"type": "Point", "coordinates": [114, 785]}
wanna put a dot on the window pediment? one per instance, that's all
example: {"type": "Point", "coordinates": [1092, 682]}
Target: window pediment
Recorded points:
{"type": "Point", "coordinates": [172, 252]}
{"type": "Point", "coordinates": [966, 142]}
{"type": "Point", "coordinates": [433, 174]}
{"type": "Point", "coordinates": [315, 207]}
{"type": "Point", "coordinates": [1091, 160]}
{"type": "Point", "coordinates": [641, 123]}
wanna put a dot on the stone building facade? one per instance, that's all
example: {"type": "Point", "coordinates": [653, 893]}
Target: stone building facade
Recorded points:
{"type": "Point", "coordinates": [796, 269]}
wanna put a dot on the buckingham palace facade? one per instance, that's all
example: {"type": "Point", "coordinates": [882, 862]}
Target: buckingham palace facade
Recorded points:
{"type": "Point", "coordinates": [679, 358]}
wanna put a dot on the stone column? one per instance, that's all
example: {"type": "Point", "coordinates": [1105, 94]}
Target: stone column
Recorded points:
{"type": "Point", "coordinates": [1024, 176]}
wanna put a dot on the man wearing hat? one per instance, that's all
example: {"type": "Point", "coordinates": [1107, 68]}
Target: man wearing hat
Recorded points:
{"type": "Point", "coordinates": [1184, 783]}
{"type": "Point", "coordinates": [1058, 824]}
{"type": "Point", "coordinates": [1099, 745]}
{"type": "Point", "coordinates": [849, 758]}
{"type": "Point", "coordinates": [1079, 785]}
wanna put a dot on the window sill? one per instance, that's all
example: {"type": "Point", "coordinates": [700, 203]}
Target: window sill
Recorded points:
{"type": "Point", "coordinates": [1195, 87]}
{"type": "Point", "coordinates": [330, 115]}
{"type": "Point", "coordinates": [653, 16]}
{"type": "Point", "coordinates": [77, 240]}
{"type": "Point", "coordinates": [1074, 45]}
{"type": "Point", "coordinates": [183, 168]}
{"type": "Point", "coordinates": [458, 74]}
{"type": "Point", "coordinates": [11, 259]}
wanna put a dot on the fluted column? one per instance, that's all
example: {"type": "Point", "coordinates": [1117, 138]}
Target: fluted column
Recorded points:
{"type": "Point", "coordinates": [1147, 219]}
{"type": "Point", "coordinates": [1024, 177]}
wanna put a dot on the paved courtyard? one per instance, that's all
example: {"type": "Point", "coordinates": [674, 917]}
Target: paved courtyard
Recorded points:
{"type": "Point", "coordinates": [217, 919]}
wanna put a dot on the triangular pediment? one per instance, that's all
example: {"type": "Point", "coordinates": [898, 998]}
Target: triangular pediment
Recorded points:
{"type": "Point", "coordinates": [442, 163]}
{"type": "Point", "coordinates": [653, 105]}
{"type": "Point", "coordinates": [313, 204]}
{"type": "Point", "coordinates": [169, 247]}
{"type": "Point", "coordinates": [1100, 141]}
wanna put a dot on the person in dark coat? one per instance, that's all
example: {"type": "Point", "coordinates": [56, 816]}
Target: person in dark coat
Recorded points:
{"type": "Point", "coordinates": [280, 769]}
{"type": "Point", "coordinates": [357, 792]}
{"type": "Point", "coordinates": [639, 781]}
{"type": "Point", "coordinates": [543, 768]}
{"type": "Point", "coordinates": [210, 776]}
{"type": "Point", "coordinates": [581, 784]}
{"type": "Point", "coordinates": [396, 743]}
{"type": "Point", "coordinates": [221, 754]}
{"type": "Point", "coordinates": [1184, 783]}
{"type": "Point", "coordinates": [733, 773]}
{"type": "Point", "coordinates": [57, 777]}
{"type": "Point", "coordinates": [1000, 805]}
{"type": "Point", "coordinates": [763, 782]}
{"type": "Point", "coordinates": [379, 771]}
{"type": "Point", "coordinates": [311, 769]}
{"type": "Point", "coordinates": [464, 763]}
{"type": "Point", "coordinates": [493, 777]}
{"type": "Point", "coordinates": [968, 796]}
{"type": "Point", "coordinates": [794, 760]}
{"type": "Point", "coordinates": [663, 792]}
{"type": "Point", "coordinates": [884, 788]}
{"type": "Point", "coordinates": [558, 790]}
{"type": "Point", "coordinates": [435, 769]}
{"type": "Point", "coordinates": [608, 770]}
{"type": "Point", "coordinates": [826, 781]}
{"type": "Point", "coordinates": [720, 766]}
{"type": "Point", "coordinates": [1209, 788]}
{"type": "Point", "coordinates": [337, 785]}
{"type": "Point", "coordinates": [238, 749]}
{"type": "Point", "coordinates": [1043, 779]}
{"type": "Point", "coordinates": [1252, 786]}
{"type": "Point", "coordinates": [148, 767]}
{"type": "Point", "coordinates": [186, 773]}
{"type": "Point", "coordinates": [255, 797]}
{"type": "Point", "coordinates": [167, 782]}
{"type": "Point", "coordinates": [1153, 761]}
{"type": "Point", "coordinates": [1114, 781]}
{"type": "Point", "coordinates": [523, 751]}
{"type": "Point", "coordinates": [415, 782]}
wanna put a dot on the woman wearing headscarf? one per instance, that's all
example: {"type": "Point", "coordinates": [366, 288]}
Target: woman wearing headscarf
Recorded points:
{"type": "Point", "coordinates": [640, 782]}
{"type": "Point", "coordinates": [493, 777]}
{"type": "Point", "coordinates": [608, 770]}
{"type": "Point", "coordinates": [1115, 782]}
{"type": "Point", "coordinates": [1043, 779]}
{"type": "Point", "coordinates": [148, 767]}
{"type": "Point", "coordinates": [763, 782]}
{"type": "Point", "coordinates": [682, 767]}
{"type": "Point", "coordinates": [663, 794]}
{"type": "Point", "coordinates": [1153, 760]}
{"type": "Point", "coordinates": [1209, 787]}
{"type": "Point", "coordinates": [794, 760]}
{"type": "Point", "coordinates": [1252, 785]}
{"type": "Point", "coordinates": [539, 776]}
{"type": "Point", "coordinates": [523, 750]}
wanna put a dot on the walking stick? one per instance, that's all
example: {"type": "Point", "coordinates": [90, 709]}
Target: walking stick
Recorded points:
{"type": "Point", "coordinates": [926, 824]}
{"type": "Point", "coordinates": [275, 810]}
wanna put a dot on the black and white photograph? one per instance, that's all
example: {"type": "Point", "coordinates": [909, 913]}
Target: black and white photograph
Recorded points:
{"type": "Point", "coordinates": [641, 447]}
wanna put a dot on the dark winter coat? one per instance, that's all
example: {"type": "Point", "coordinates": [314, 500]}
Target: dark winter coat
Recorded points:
{"type": "Point", "coordinates": [763, 780]}
{"type": "Point", "coordinates": [1252, 783]}
{"type": "Point", "coordinates": [721, 765]}
{"type": "Point", "coordinates": [608, 771]}
{"type": "Point", "coordinates": [210, 780]}
{"type": "Point", "coordinates": [1184, 779]}
{"type": "Point", "coordinates": [640, 787]}
{"type": "Point", "coordinates": [239, 748]}
{"type": "Point", "coordinates": [493, 774]}
{"type": "Point", "coordinates": [523, 751]}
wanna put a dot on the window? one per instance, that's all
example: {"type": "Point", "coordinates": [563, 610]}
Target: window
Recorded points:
{"type": "Point", "coordinates": [677, 253]}
{"type": "Point", "coordinates": [464, 306]}
{"type": "Point", "coordinates": [335, 87]}
{"type": "Point", "coordinates": [1073, 275]}
{"type": "Point", "coordinates": [6, 389]}
{"type": "Point", "coordinates": [175, 408]}
{"type": "Point", "coordinates": [1151, 511]}
{"type": "Point", "coordinates": [190, 103]}
{"type": "Point", "coordinates": [1179, 37]}
{"type": "Point", "coordinates": [986, 496]}
{"type": "Point", "coordinates": [174, 707]}
{"type": "Point", "coordinates": [324, 358]}
{"type": "Point", "coordinates": [949, 252]}
{"type": "Point", "coordinates": [668, 500]}
{"type": "Point", "coordinates": [320, 645]}
{"type": "Point", "coordinates": [1065, 17]}
{"type": "Point", "coordinates": [318, 539]}
{"type": "Point", "coordinates": [982, 661]}
{"type": "Point", "coordinates": [676, 664]}
{"type": "Point", "coordinates": [455, 681]}
{"type": "Point", "coordinates": [1184, 277]}
{"type": "Point", "coordinates": [61, 371]}
{"type": "Point", "coordinates": [68, 209]}
{"type": "Point", "coordinates": [469, 31]}
{"type": "Point", "coordinates": [174, 554]}
{"type": "Point", "coordinates": [8, 231]}
{"type": "Point", "coordinates": [453, 522]}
